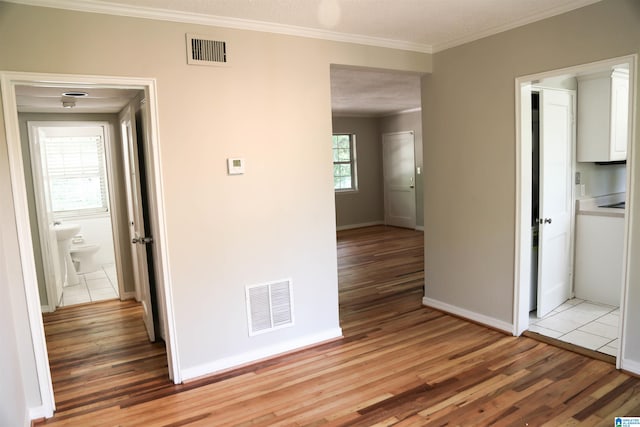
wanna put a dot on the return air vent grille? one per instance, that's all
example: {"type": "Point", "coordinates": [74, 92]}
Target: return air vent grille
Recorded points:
{"type": "Point", "coordinates": [203, 51]}
{"type": "Point", "coordinates": [269, 306]}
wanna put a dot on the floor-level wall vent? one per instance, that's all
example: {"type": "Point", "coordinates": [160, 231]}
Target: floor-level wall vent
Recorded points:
{"type": "Point", "coordinates": [205, 51]}
{"type": "Point", "coordinates": [269, 306]}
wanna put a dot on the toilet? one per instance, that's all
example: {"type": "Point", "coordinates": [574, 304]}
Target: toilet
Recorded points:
{"type": "Point", "coordinates": [83, 258]}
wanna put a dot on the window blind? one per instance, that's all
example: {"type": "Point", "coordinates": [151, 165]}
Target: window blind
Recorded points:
{"type": "Point", "coordinates": [75, 172]}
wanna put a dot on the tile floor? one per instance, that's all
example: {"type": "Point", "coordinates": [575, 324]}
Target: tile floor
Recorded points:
{"type": "Point", "coordinates": [583, 323]}
{"type": "Point", "coordinates": [97, 286]}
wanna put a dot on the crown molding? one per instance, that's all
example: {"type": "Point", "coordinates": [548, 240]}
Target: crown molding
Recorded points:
{"type": "Point", "coordinates": [439, 47]}
{"type": "Point", "coordinates": [104, 7]}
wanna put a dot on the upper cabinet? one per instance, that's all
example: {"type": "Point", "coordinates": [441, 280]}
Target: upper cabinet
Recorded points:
{"type": "Point", "coordinates": [603, 116]}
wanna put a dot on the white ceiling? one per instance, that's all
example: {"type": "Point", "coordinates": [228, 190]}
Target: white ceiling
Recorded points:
{"type": "Point", "coordinates": [47, 99]}
{"type": "Point", "coordinates": [418, 25]}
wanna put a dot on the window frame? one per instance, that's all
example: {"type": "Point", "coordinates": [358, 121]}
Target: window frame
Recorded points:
{"type": "Point", "coordinates": [352, 162]}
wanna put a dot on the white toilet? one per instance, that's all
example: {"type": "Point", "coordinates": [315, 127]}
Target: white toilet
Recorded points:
{"type": "Point", "coordinates": [83, 257]}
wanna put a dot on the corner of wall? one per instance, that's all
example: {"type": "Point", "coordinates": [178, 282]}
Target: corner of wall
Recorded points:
{"type": "Point", "coordinates": [468, 314]}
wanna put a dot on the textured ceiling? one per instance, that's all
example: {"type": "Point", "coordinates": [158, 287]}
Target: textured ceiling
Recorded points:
{"type": "Point", "coordinates": [373, 92]}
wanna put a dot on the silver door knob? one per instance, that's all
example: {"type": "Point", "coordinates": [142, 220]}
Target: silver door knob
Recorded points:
{"type": "Point", "coordinates": [142, 240]}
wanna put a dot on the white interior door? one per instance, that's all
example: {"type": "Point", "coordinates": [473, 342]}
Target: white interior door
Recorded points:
{"type": "Point", "coordinates": [53, 273]}
{"type": "Point", "coordinates": [556, 198]}
{"type": "Point", "coordinates": [398, 158]}
{"type": "Point", "coordinates": [136, 219]}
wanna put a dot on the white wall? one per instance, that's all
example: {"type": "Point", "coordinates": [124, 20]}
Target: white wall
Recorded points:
{"type": "Point", "coordinates": [272, 107]}
{"type": "Point", "coordinates": [469, 123]}
{"type": "Point", "coordinates": [600, 180]}
{"type": "Point", "coordinates": [96, 230]}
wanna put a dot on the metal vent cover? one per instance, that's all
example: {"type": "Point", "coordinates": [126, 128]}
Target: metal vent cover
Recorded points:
{"type": "Point", "coordinates": [269, 306]}
{"type": "Point", "coordinates": [205, 51]}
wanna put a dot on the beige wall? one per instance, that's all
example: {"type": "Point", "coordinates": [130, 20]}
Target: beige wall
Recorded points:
{"type": "Point", "coordinates": [469, 158]}
{"type": "Point", "coordinates": [410, 121]}
{"type": "Point", "coordinates": [365, 206]}
{"type": "Point", "coordinates": [272, 107]}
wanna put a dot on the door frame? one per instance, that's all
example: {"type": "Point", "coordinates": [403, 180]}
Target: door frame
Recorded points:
{"type": "Point", "coordinates": [8, 81]}
{"type": "Point", "coordinates": [522, 258]}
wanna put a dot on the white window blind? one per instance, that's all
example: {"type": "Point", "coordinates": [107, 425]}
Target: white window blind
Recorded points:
{"type": "Point", "coordinates": [75, 173]}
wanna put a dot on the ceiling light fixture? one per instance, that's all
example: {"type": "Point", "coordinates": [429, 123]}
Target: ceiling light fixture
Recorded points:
{"type": "Point", "coordinates": [75, 94]}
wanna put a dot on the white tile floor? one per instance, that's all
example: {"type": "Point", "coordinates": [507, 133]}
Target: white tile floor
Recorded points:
{"type": "Point", "coordinates": [583, 323]}
{"type": "Point", "coordinates": [97, 286]}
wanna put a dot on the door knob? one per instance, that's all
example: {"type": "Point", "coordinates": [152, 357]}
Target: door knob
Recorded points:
{"type": "Point", "coordinates": [545, 221]}
{"type": "Point", "coordinates": [142, 240]}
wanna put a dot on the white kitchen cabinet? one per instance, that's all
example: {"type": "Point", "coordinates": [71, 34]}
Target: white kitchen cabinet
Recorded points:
{"type": "Point", "coordinates": [603, 116]}
{"type": "Point", "coordinates": [598, 259]}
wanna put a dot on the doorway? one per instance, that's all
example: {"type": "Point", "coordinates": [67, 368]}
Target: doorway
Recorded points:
{"type": "Point", "coordinates": [527, 216]}
{"type": "Point", "coordinates": [72, 185]}
{"type": "Point", "coordinates": [10, 81]}
{"type": "Point", "coordinates": [366, 104]}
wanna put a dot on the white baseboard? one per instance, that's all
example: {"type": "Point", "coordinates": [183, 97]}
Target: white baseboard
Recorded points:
{"type": "Point", "coordinates": [37, 413]}
{"type": "Point", "coordinates": [630, 366]}
{"type": "Point", "coordinates": [420, 227]}
{"type": "Point", "coordinates": [471, 315]}
{"type": "Point", "coordinates": [259, 354]}
{"type": "Point", "coordinates": [361, 225]}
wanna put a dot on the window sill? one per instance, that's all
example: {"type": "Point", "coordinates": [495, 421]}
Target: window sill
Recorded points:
{"type": "Point", "coordinates": [346, 191]}
{"type": "Point", "coordinates": [80, 215]}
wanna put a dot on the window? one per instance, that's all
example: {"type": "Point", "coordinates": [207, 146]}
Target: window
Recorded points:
{"type": "Point", "coordinates": [74, 171]}
{"type": "Point", "coordinates": [344, 162]}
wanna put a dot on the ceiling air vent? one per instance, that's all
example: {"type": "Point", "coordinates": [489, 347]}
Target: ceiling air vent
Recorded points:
{"type": "Point", "coordinates": [269, 306]}
{"type": "Point", "coordinates": [203, 51]}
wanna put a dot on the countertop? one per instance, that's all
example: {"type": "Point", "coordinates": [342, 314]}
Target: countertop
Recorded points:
{"type": "Point", "coordinates": [592, 206]}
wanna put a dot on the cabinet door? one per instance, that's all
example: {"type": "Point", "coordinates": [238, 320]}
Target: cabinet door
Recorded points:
{"type": "Point", "coordinates": [619, 117]}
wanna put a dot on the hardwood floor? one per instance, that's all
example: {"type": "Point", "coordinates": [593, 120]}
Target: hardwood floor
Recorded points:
{"type": "Point", "coordinates": [398, 364]}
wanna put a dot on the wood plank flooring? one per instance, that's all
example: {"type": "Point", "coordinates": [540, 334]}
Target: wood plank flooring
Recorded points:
{"type": "Point", "coordinates": [398, 364]}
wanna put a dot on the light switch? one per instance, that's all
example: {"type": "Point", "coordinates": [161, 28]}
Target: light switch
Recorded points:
{"type": "Point", "coordinates": [235, 166]}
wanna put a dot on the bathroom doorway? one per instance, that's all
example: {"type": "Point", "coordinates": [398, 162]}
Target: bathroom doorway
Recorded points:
{"type": "Point", "coordinates": [75, 210]}
{"type": "Point", "coordinates": [16, 101]}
